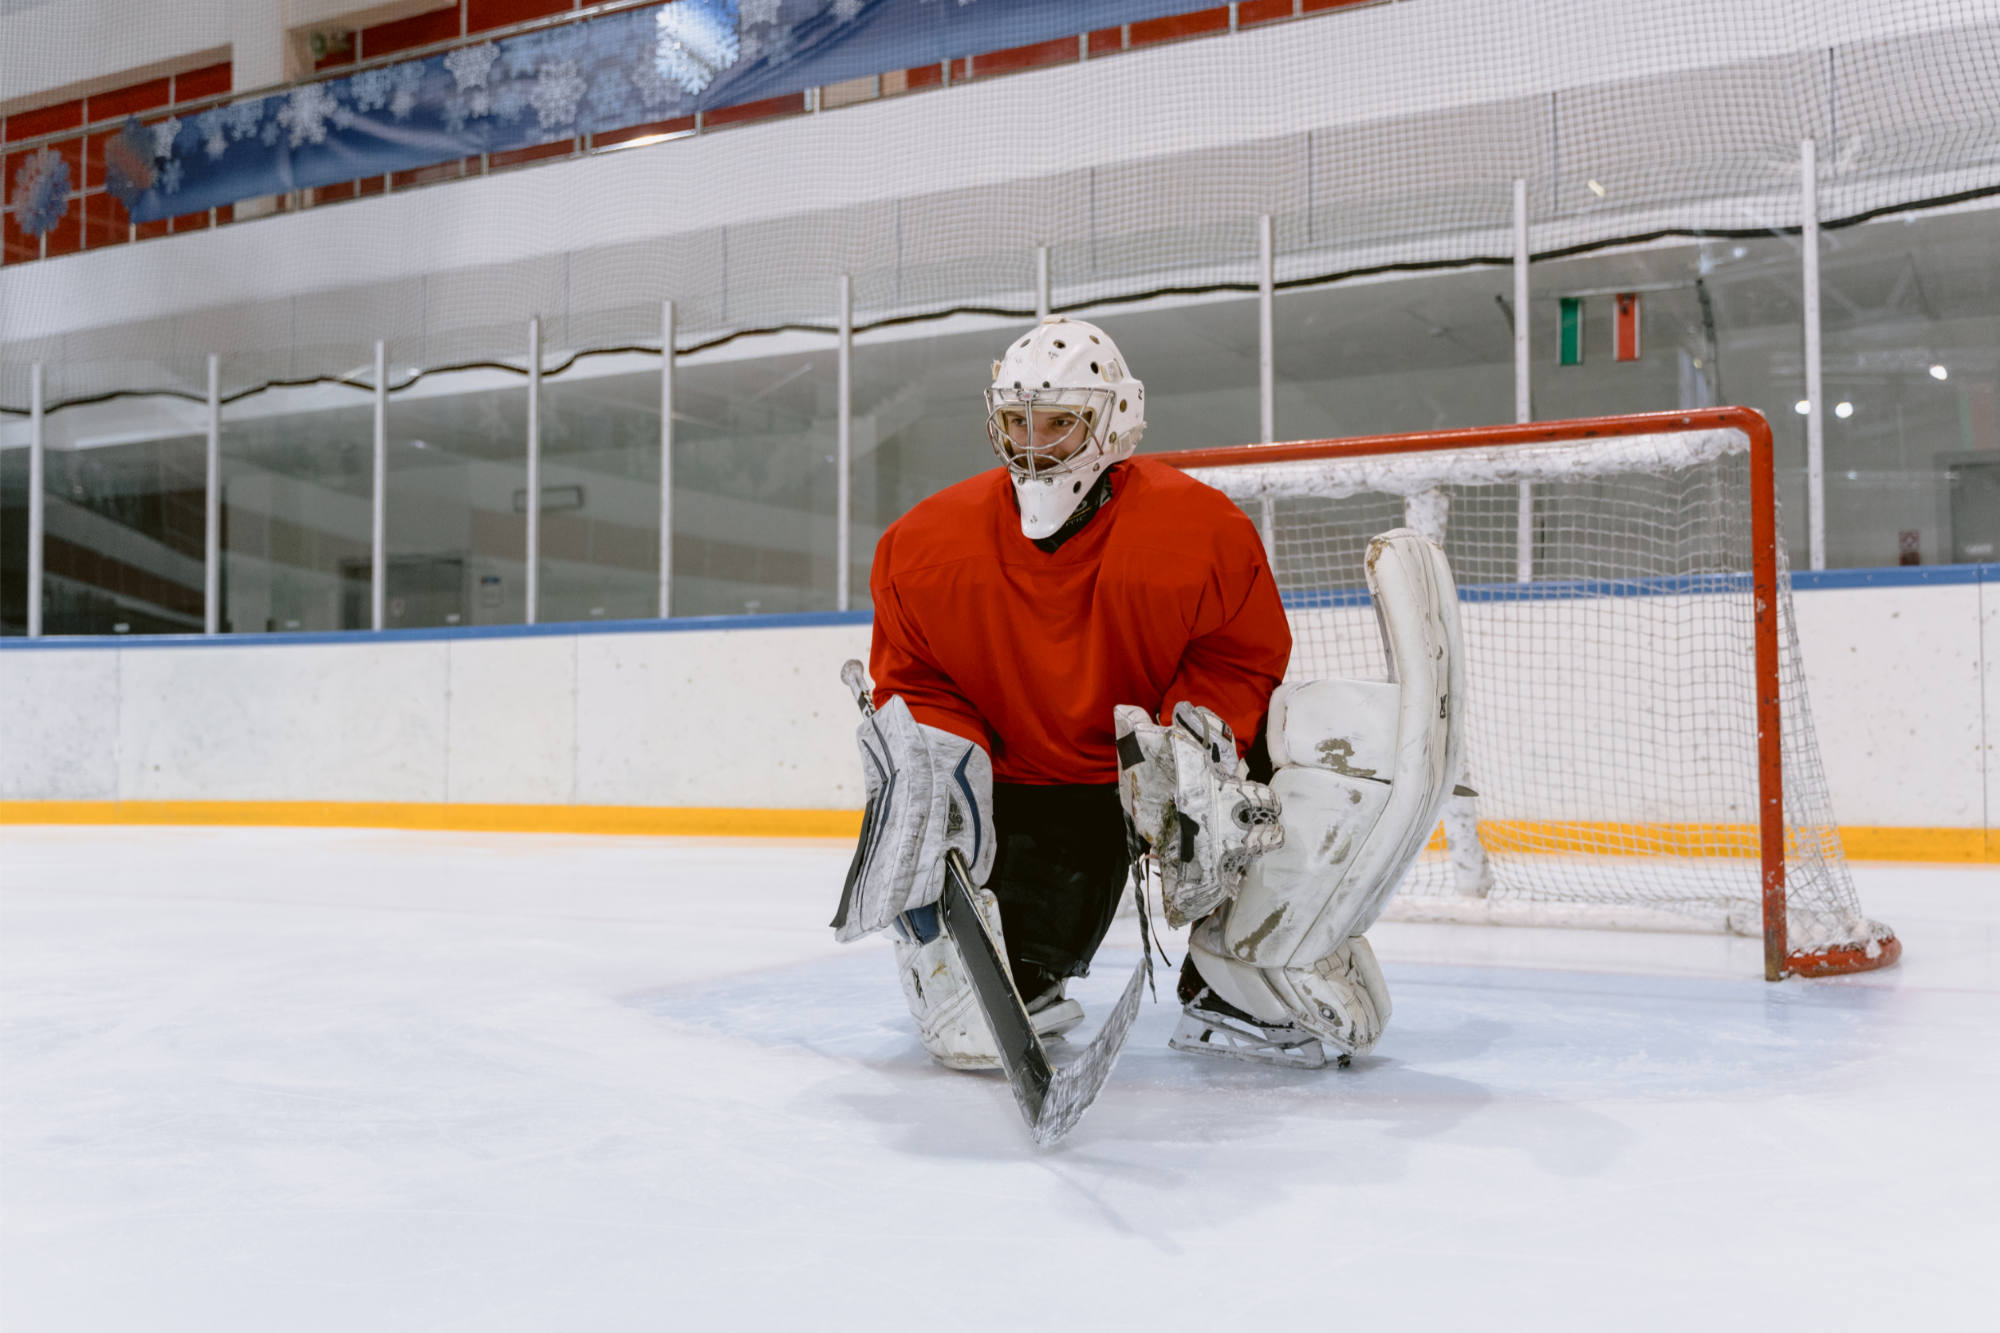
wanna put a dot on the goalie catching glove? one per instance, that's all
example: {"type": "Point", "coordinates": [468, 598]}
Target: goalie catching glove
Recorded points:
{"type": "Point", "coordinates": [1192, 803]}
{"type": "Point", "coordinates": [929, 792]}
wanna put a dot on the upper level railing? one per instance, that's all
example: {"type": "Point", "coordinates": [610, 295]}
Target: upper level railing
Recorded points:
{"type": "Point", "coordinates": [611, 76]}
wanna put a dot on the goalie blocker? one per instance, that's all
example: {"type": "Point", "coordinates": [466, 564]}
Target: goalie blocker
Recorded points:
{"type": "Point", "coordinates": [1361, 772]}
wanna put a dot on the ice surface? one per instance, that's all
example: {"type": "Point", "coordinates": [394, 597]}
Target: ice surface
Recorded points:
{"type": "Point", "coordinates": [312, 1080]}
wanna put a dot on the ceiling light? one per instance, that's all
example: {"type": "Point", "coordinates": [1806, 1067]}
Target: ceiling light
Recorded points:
{"type": "Point", "coordinates": [1843, 410]}
{"type": "Point", "coordinates": [1802, 407]}
{"type": "Point", "coordinates": [1596, 189]}
{"type": "Point", "coordinates": [1939, 372]}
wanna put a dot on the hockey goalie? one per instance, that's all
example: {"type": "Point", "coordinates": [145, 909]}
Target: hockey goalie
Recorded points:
{"type": "Point", "coordinates": [1077, 661]}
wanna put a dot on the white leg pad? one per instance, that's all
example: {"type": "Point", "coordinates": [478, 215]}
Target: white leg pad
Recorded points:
{"type": "Point", "coordinates": [939, 991]}
{"type": "Point", "coordinates": [949, 1020]}
{"type": "Point", "coordinates": [1364, 769]}
{"type": "Point", "coordinates": [1342, 998]}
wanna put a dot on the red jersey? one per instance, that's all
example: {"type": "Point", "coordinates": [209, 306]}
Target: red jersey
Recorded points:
{"type": "Point", "coordinates": [1164, 595]}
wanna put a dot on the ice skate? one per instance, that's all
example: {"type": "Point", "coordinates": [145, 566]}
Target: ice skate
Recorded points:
{"type": "Point", "coordinates": [1210, 1025]}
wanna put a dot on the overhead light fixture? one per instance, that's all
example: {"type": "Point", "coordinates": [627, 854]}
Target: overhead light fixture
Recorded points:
{"type": "Point", "coordinates": [1843, 410]}
{"type": "Point", "coordinates": [1802, 407]}
{"type": "Point", "coordinates": [1939, 372]}
{"type": "Point", "coordinates": [1596, 189]}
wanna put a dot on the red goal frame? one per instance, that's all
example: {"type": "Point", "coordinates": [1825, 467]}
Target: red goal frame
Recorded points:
{"type": "Point", "coordinates": [1780, 960]}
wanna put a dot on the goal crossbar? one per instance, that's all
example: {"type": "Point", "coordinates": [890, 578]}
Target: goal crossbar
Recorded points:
{"type": "Point", "coordinates": [1409, 465]}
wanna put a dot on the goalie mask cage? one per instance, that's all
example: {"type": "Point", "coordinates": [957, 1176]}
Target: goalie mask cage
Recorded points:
{"type": "Point", "coordinates": [1639, 740]}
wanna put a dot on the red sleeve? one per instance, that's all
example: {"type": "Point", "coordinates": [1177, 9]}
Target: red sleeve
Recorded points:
{"type": "Point", "coordinates": [900, 661]}
{"type": "Point", "coordinates": [1241, 647]}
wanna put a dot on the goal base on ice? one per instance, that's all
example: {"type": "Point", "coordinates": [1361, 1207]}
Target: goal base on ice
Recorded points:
{"type": "Point", "coordinates": [1638, 727]}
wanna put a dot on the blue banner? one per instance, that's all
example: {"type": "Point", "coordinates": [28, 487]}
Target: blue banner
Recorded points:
{"type": "Point", "coordinates": [636, 67]}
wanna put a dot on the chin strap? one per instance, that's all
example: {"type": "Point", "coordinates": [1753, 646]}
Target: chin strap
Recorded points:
{"type": "Point", "coordinates": [1074, 524]}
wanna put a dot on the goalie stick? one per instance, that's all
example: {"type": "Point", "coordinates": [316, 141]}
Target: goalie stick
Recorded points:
{"type": "Point", "coordinates": [1051, 1100]}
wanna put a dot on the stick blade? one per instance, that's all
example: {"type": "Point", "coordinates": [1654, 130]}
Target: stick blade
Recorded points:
{"type": "Point", "coordinates": [1076, 1085]}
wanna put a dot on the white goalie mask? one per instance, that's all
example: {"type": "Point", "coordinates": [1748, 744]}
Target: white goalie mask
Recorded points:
{"type": "Point", "coordinates": [1062, 409]}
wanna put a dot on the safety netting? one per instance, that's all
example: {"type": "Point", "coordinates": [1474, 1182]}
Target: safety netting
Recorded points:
{"type": "Point", "coordinates": [926, 149]}
{"type": "Point", "coordinates": [1609, 623]}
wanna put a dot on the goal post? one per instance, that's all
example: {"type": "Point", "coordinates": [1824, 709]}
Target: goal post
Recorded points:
{"type": "Point", "coordinates": [1640, 744]}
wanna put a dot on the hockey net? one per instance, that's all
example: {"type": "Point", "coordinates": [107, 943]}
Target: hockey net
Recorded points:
{"type": "Point", "coordinates": [1640, 741]}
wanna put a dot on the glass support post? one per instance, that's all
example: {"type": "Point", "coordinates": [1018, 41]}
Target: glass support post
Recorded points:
{"type": "Point", "coordinates": [844, 459]}
{"type": "Point", "coordinates": [37, 499]}
{"type": "Point", "coordinates": [378, 498]}
{"type": "Point", "coordinates": [666, 459]}
{"type": "Point", "coordinates": [211, 564]}
{"type": "Point", "coordinates": [533, 586]}
{"type": "Point", "coordinates": [1267, 415]}
{"type": "Point", "coordinates": [1815, 392]}
{"type": "Point", "coordinates": [1524, 403]}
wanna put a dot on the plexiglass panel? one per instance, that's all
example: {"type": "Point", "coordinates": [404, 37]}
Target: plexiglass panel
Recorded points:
{"type": "Point", "coordinates": [600, 539]}
{"type": "Point", "coordinates": [297, 474]}
{"type": "Point", "coordinates": [125, 491]}
{"type": "Point", "coordinates": [456, 527]}
{"type": "Point", "coordinates": [754, 479]}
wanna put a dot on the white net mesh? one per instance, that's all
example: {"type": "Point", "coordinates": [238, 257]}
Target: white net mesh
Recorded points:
{"type": "Point", "coordinates": [1612, 689]}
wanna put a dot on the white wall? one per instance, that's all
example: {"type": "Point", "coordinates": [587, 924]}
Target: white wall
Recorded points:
{"type": "Point", "coordinates": [1901, 681]}
{"type": "Point", "coordinates": [753, 718]}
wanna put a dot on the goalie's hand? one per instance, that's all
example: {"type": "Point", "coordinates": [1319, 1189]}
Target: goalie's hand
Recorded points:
{"type": "Point", "coordinates": [929, 793]}
{"type": "Point", "coordinates": [1192, 802]}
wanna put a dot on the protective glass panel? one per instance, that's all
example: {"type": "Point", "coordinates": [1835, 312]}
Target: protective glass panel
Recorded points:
{"type": "Point", "coordinates": [297, 475]}
{"type": "Point", "coordinates": [755, 482]}
{"type": "Point", "coordinates": [125, 490]}
{"type": "Point", "coordinates": [600, 530]}
{"type": "Point", "coordinates": [457, 529]}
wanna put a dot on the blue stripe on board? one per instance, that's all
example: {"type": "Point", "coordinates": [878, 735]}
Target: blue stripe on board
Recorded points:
{"type": "Point", "coordinates": [678, 624]}
{"type": "Point", "coordinates": [1312, 599]}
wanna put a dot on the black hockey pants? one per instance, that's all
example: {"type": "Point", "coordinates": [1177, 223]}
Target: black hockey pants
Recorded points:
{"type": "Point", "coordinates": [1059, 869]}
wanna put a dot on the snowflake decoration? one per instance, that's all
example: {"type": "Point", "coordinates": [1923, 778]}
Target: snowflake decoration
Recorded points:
{"type": "Point", "coordinates": [170, 177]}
{"type": "Point", "coordinates": [212, 126]}
{"type": "Point", "coordinates": [270, 134]}
{"type": "Point", "coordinates": [370, 88]}
{"type": "Point", "coordinates": [760, 11]}
{"type": "Point", "coordinates": [467, 106]}
{"type": "Point", "coordinates": [845, 10]}
{"type": "Point", "coordinates": [306, 112]}
{"type": "Point", "coordinates": [470, 65]}
{"type": "Point", "coordinates": [778, 47]}
{"type": "Point", "coordinates": [244, 118]}
{"type": "Point", "coordinates": [557, 91]}
{"type": "Point", "coordinates": [697, 40]}
{"type": "Point", "coordinates": [408, 79]}
{"type": "Point", "coordinates": [164, 135]}
{"type": "Point", "coordinates": [41, 193]}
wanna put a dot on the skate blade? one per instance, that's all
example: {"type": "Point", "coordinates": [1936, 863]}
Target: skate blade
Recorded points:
{"type": "Point", "coordinates": [1218, 1037]}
